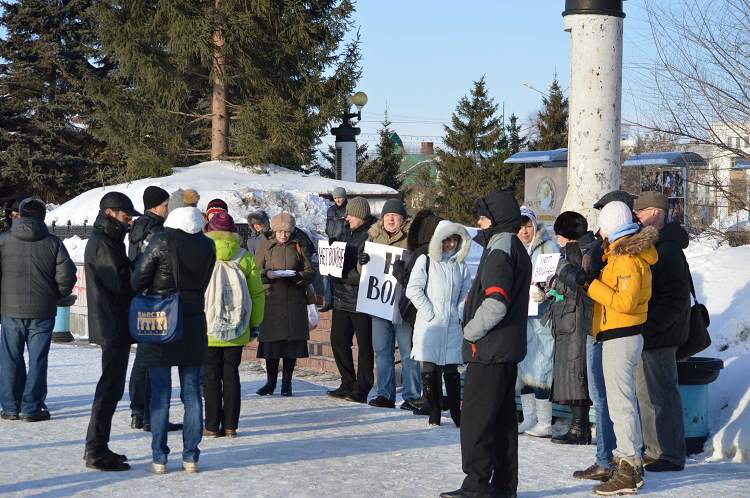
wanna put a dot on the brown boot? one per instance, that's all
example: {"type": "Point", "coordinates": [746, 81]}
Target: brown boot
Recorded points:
{"type": "Point", "coordinates": [594, 473]}
{"type": "Point", "coordinates": [626, 480]}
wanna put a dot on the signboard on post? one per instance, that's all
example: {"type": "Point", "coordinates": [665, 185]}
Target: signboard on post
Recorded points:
{"type": "Point", "coordinates": [378, 288]}
{"type": "Point", "coordinates": [331, 258]}
{"type": "Point", "coordinates": [545, 267]}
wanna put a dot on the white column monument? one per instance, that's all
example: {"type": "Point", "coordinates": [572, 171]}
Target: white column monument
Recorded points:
{"type": "Point", "coordinates": [595, 96]}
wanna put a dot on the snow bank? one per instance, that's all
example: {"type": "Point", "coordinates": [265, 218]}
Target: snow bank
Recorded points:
{"type": "Point", "coordinates": [722, 282]}
{"type": "Point", "coordinates": [271, 188]}
{"type": "Point", "coordinates": [76, 246]}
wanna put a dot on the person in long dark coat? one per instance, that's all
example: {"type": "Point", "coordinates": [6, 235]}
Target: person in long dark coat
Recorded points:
{"type": "Point", "coordinates": [108, 295]}
{"type": "Point", "coordinates": [285, 329]}
{"type": "Point", "coordinates": [182, 243]}
{"type": "Point", "coordinates": [570, 317]}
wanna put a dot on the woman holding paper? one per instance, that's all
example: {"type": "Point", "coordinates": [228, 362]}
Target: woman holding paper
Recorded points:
{"type": "Point", "coordinates": [535, 371]}
{"type": "Point", "coordinates": [285, 271]}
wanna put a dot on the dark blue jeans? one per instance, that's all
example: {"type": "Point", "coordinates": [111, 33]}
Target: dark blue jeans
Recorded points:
{"type": "Point", "coordinates": [190, 394]}
{"type": "Point", "coordinates": [21, 392]}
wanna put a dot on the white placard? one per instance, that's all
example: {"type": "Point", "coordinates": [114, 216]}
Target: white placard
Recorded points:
{"type": "Point", "coordinates": [331, 258]}
{"type": "Point", "coordinates": [378, 288]}
{"type": "Point", "coordinates": [545, 267]}
{"type": "Point", "coordinates": [533, 305]}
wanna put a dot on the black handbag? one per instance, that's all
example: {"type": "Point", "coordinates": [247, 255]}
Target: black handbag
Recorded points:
{"type": "Point", "coordinates": [698, 337]}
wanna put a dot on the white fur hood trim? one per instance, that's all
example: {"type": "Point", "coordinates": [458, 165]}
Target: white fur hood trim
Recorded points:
{"type": "Point", "coordinates": [187, 219]}
{"type": "Point", "coordinates": [444, 230]}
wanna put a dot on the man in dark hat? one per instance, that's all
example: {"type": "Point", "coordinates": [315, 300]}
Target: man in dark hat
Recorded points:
{"type": "Point", "coordinates": [36, 272]}
{"type": "Point", "coordinates": [108, 294]}
{"type": "Point", "coordinates": [665, 330]}
{"type": "Point", "coordinates": [495, 317]}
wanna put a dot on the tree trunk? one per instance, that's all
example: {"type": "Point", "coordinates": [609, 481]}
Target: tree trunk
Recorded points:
{"type": "Point", "coordinates": [219, 118]}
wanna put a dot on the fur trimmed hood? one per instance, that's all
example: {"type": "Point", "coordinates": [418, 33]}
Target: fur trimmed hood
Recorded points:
{"type": "Point", "coordinates": [444, 230]}
{"type": "Point", "coordinates": [187, 219]}
{"type": "Point", "coordinates": [637, 243]}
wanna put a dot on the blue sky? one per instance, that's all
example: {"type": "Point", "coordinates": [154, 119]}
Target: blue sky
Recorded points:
{"type": "Point", "coordinates": [421, 56]}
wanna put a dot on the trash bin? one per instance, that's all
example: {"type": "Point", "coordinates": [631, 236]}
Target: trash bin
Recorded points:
{"type": "Point", "coordinates": [693, 376]}
{"type": "Point", "coordinates": [61, 330]}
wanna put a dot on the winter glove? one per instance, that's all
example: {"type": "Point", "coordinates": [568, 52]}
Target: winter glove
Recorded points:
{"type": "Point", "coordinates": [537, 295]}
{"type": "Point", "coordinates": [573, 276]}
{"type": "Point", "coordinates": [254, 332]}
{"type": "Point", "coordinates": [555, 295]}
{"type": "Point", "coordinates": [363, 258]}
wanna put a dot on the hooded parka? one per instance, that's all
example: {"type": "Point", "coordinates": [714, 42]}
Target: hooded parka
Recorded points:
{"type": "Point", "coordinates": [438, 295]}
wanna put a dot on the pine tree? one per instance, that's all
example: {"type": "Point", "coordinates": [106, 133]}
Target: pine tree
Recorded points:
{"type": "Point", "coordinates": [516, 142]}
{"type": "Point", "coordinates": [275, 70]}
{"type": "Point", "coordinates": [471, 163]}
{"type": "Point", "coordinates": [551, 122]}
{"type": "Point", "coordinates": [46, 144]}
{"type": "Point", "coordinates": [385, 168]}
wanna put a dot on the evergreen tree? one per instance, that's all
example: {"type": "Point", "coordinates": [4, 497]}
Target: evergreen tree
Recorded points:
{"type": "Point", "coordinates": [46, 145]}
{"type": "Point", "coordinates": [329, 170]}
{"type": "Point", "coordinates": [275, 70]}
{"type": "Point", "coordinates": [516, 142]}
{"type": "Point", "coordinates": [385, 168]}
{"type": "Point", "coordinates": [471, 164]}
{"type": "Point", "coordinates": [551, 122]}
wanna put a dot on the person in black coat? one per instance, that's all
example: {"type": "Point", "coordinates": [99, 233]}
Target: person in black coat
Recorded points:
{"type": "Point", "coordinates": [155, 204]}
{"type": "Point", "coordinates": [570, 318]}
{"type": "Point", "coordinates": [182, 244]}
{"type": "Point", "coordinates": [36, 272]}
{"type": "Point", "coordinates": [335, 229]}
{"type": "Point", "coordinates": [346, 321]}
{"type": "Point", "coordinates": [108, 295]}
{"type": "Point", "coordinates": [495, 317]}
{"type": "Point", "coordinates": [666, 328]}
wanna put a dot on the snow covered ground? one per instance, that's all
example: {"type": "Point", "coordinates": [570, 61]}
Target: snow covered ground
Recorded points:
{"type": "Point", "coordinates": [271, 187]}
{"type": "Point", "coordinates": [305, 446]}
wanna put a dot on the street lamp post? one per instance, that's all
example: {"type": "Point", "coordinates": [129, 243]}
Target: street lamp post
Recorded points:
{"type": "Point", "coordinates": [346, 140]}
{"type": "Point", "coordinates": [595, 101]}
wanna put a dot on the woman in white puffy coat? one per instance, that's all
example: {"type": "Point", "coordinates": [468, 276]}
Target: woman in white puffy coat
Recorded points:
{"type": "Point", "coordinates": [437, 288]}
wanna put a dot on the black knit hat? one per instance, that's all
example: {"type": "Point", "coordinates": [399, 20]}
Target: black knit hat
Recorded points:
{"type": "Point", "coordinates": [615, 195]}
{"type": "Point", "coordinates": [571, 225]}
{"type": "Point", "coordinates": [394, 206]}
{"type": "Point", "coordinates": [153, 196]}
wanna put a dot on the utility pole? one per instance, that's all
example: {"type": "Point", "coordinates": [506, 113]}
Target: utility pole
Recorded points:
{"type": "Point", "coordinates": [595, 102]}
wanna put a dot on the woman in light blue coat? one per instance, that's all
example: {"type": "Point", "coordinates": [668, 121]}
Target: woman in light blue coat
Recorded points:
{"type": "Point", "coordinates": [437, 288]}
{"type": "Point", "coordinates": [535, 371]}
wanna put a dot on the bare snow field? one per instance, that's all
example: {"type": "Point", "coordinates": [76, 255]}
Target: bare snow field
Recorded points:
{"type": "Point", "coordinates": [305, 446]}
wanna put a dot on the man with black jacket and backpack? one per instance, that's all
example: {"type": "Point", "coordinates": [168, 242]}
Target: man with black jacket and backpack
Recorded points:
{"type": "Point", "coordinates": [665, 329]}
{"type": "Point", "coordinates": [108, 294]}
{"type": "Point", "coordinates": [495, 317]}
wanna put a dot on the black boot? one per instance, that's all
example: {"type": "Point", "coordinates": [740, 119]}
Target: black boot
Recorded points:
{"type": "Point", "coordinates": [453, 388]}
{"type": "Point", "coordinates": [431, 382]}
{"type": "Point", "coordinates": [580, 428]}
{"type": "Point", "coordinates": [272, 372]}
{"type": "Point", "coordinates": [286, 376]}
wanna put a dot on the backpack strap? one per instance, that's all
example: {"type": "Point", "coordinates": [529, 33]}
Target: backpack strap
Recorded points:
{"type": "Point", "coordinates": [690, 276]}
{"type": "Point", "coordinates": [240, 253]}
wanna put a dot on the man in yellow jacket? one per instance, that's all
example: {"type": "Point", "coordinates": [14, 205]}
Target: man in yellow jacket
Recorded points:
{"type": "Point", "coordinates": [621, 294]}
